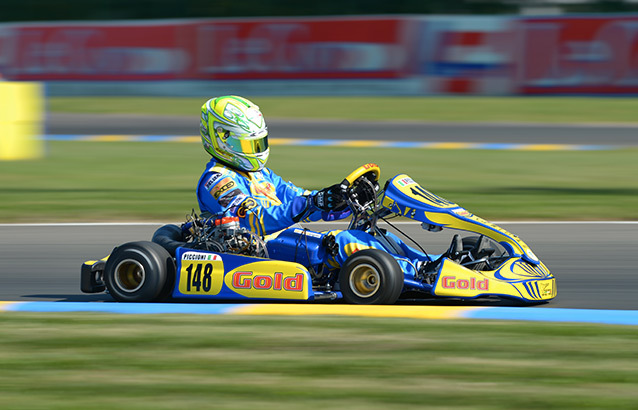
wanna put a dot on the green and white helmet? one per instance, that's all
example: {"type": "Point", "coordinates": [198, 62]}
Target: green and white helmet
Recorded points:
{"type": "Point", "coordinates": [233, 130]}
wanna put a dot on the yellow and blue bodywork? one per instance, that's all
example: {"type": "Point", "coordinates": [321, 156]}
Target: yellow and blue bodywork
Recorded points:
{"type": "Point", "coordinates": [203, 274]}
{"type": "Point", "coordinates": [523, 276]}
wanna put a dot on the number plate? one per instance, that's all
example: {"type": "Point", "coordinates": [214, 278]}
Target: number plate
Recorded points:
{"type": "Point", "coordinates": [201, 274]}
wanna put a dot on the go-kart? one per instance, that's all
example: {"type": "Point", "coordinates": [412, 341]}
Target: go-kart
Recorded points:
{"type": "Point", "coordinates": [214, 258]}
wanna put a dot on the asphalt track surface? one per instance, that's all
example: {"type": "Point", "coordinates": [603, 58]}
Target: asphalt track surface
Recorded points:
{"type": "Point", "coordinates": [587, 134]}
{"type": "Point", "coordinates": [595, 264]}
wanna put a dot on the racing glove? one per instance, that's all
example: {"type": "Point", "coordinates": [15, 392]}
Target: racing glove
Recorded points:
{"type": "Point", "coordinates": [330, 199]}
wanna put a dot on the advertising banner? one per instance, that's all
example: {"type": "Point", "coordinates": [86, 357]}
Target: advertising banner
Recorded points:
{"type": "Point", "coordinates": [466, 55]}
{"type": "Point", "coordinates": [204, 50]}
{"type": "Point", "coordinates": [294, 48]}
{"type": "Point", "coordinates": [415, 55]}
{"type": "Point", "coordinates": [578, 55]}
{"type": "Point", "coordinates": [91, 52]}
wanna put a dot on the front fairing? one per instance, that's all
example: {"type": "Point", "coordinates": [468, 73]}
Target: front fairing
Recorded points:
{"type": "Point", "coordinates": [403, 196]}
{"type": "Point", "coordinates": [514, 279]}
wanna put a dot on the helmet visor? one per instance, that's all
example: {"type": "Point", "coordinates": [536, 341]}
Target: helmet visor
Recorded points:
{"type": "Point", "coordinates": [253, 146]}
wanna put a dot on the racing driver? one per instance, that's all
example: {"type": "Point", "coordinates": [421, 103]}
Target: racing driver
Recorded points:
{"type": "Point", "coordinates": [237, 183]}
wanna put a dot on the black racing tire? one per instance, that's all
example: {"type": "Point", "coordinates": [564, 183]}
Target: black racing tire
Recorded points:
{"type": "Point", "coordinates": [371, 277]}
{"type": "Point", "coordinates": [170, 237]}
{"type": "Point", "coordinates": [139, 272]}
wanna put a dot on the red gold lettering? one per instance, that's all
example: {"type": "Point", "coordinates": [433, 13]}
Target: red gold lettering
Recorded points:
{"type": "Point", "coordinates": [483, 284]}
{"type": "Point", "coordinates": [278, 279]}
{"type": "Point", "coordinates": [446, 284]}
{"type": "Point", "coordinates": [451, 282]}
{"type": "Point", "coordinates": [243, 280]}
{"type": "Point", "coordinates": [294, 284]}
{"type": "Point", "coordinates": [262, 282]}
{"type": "Point", "coordinates": [241, 283]}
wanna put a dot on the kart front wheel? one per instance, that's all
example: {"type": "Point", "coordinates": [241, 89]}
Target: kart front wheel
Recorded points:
{"type": "Point", "coordinates": [371, 276]}
{"type": "Point", "coordinates": [139, 272]}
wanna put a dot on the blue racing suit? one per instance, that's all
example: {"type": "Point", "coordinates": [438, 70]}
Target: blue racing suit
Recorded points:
{"type": "Point", "coordinates": [265, 204]}
{"type": "Point", "coordinates": [262, 200]}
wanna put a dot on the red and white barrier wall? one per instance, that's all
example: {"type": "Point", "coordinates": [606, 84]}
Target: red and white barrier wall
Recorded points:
{"type": "Point", "coordinates": [497, 55]}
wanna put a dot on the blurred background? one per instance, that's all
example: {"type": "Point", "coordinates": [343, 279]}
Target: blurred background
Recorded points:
{"type": "Point", "coordinates": [405, 47]}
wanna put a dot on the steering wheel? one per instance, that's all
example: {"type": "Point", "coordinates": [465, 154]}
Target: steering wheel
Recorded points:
{"type": "Point", "coordinates": [370, 171]}
{"type": "Point", "coordinates": [361, 186]}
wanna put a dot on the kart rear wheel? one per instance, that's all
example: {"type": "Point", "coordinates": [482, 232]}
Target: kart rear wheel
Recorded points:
{"type": "Point", "coordinates": [139, 272]}
{"type": "Point", "coordinates": [371, 276]}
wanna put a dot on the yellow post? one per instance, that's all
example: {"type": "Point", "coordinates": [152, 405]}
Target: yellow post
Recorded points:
{"type": "Point", "coordinates": [21, 120]}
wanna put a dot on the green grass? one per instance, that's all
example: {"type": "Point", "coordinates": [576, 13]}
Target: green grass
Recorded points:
{"type": "Point", "coordinates": [84, 361]}
{"type": "Point", "coordinates": [90, 181]}
{"type": "Point", "coordinates": [525, 109]}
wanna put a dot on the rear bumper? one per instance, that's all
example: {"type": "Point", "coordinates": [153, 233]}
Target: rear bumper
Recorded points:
{"type": "Point", "coordinates": [91, 276]}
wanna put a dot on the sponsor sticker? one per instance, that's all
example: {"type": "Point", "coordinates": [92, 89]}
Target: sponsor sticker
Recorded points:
{"type": "Point", "coordinates": [451, 282]}
{"type": "Point", "coordinates": [403, 182]}
{"type": "Point", "coordinates": [228, 198]}
{"type": "Point", "coordinates": [461, 212]}
{"type": "Point", "coordinates": [276, 281]}
{"type": "Point", "coordinates": [237, 200]}
{"type": "Point", "coordinates": [307, 233]}
{"type": "Point", "coordinates": [211, 182]}
{"type": "Point", "coordinates": [223, 186]}
{"type": "Point", "coordinates": [546, 289]}
{"type": "Point", "coordinates": [270, 280]}
{"type": "Point", "coordinates": [246, 205]}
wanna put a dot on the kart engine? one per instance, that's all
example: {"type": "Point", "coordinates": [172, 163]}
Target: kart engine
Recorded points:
{"type": "Point", "coordinates": [223, 234]}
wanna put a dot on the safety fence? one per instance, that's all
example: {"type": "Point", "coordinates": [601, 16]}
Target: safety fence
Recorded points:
{"type": "Point", "coordinates": [403, 55]}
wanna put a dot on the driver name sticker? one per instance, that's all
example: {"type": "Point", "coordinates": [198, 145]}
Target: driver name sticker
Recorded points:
{"type": "Point", "coordinates": [201, 274]}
